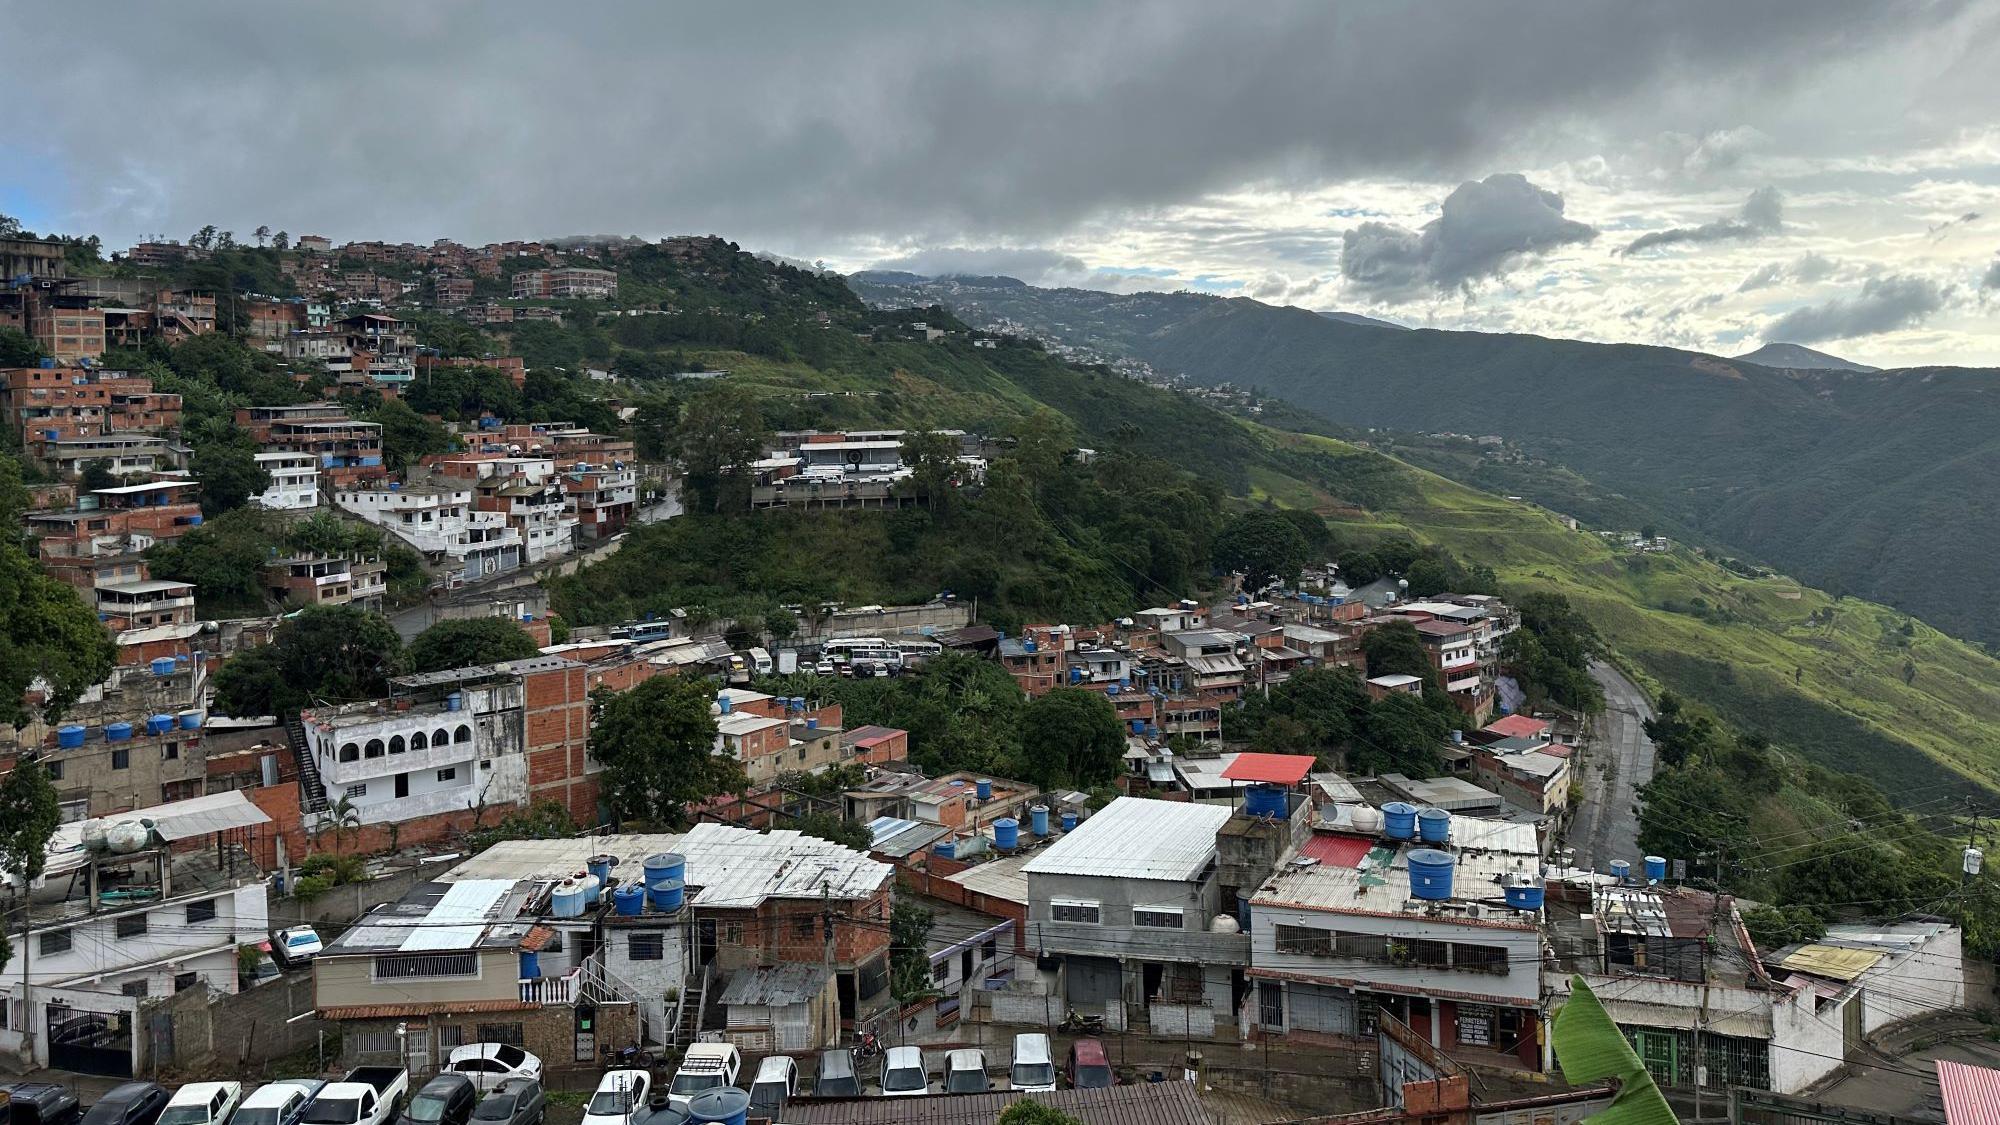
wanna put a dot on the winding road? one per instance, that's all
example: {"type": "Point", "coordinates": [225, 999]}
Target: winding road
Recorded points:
{"type": "Point", "coordinates": [1617, 760]}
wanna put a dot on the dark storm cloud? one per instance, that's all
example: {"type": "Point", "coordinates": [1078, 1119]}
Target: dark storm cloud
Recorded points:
{"type": "Point", "coordinates": [1806, 268]}
{"type": "Point", "coordinates": [1484, 228]}
{"type": "Point", "coordinates": [792, 124]}
{"type": "Point", "coordinates": [1763, 213]}
{"type": "Point", "coordinates": [1883, 305]}
{"type": "Point", "coordinates": [1990, 280]}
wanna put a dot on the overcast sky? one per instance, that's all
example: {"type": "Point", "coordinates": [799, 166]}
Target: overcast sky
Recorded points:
{"type": "Point", "coordinates": [1699, 174]}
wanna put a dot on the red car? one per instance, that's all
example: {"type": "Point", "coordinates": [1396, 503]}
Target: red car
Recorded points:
{"type": "Point", "coordinates": [1088, 1067]}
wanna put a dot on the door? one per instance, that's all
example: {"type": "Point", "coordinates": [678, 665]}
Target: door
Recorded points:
{"type": "Point", "coordinates": [402, 785]}
{"type": "Point", "coordinates": [1660, 1051]}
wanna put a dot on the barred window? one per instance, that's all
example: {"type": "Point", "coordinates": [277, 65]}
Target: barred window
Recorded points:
{"type": "Point", "coordinates": [131, 925]}
{"type": "Point", "coordinates": [56, 941]}
{"type": "Point", "coordinates": [1087, 913]}
{"type": "Point", "coordinates": [203, 911]}
{"type": "Point", "coordinates": [501, 1033]}
{"type": "Point", "coordinates": [646, 947]}
{"type": "Point", "coordinates": [1480, 958]}
{"type": "Point", "coordinates": [1158, 918]}
{"type": "Point", "coordinates": [403, 966]}
{"type": "Point", "coordinates": [1303, 941]}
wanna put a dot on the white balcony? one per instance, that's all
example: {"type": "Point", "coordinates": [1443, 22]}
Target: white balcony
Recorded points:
{"type": "Point", "coordinates": [552, 990]}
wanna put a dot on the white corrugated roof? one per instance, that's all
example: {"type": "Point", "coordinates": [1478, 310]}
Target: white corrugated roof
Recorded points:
{"type": "Point", "coordinates": [460, 917]}
{"type": "Point", "coordinates": [1136, 838]}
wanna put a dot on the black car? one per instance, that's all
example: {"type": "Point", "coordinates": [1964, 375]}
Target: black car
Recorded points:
{"type": "Point", "coordinates": [129, 1103]}
{"type": "Point", "coordinates": [515, 1101]}
{"type": "Point", "coordinates": [40, 1103]}
{"type": "Point", "coordinates": [447, 1099]}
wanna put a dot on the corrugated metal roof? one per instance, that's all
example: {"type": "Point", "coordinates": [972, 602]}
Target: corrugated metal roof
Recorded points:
{"type": "Point", "coordinates": [459, 918]}
{"type": "Point", "coordinates": [1831, 962]}
{"type": "Point", "coordinates": [794, 983]}
{"type": "Point", "coordinates": [1136, 838]}
{"type": "Point", "coordinates": [1146, 1103]}
{"type": "Point", "coordinates": [1971, 1094]}
{"type": "Point", "coordinates": [1277, 769]}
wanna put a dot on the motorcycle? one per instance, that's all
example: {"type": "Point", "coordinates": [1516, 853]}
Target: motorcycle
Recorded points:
{"type": "Point", "coordinates": [867, 1046]}
{"type": "Point", "coordinates": [1080, 1023]}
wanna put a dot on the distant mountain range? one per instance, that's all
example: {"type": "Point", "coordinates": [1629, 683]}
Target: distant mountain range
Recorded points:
{"type": "Point", "coordinates": [1364, 321]}
{"type": "Point", "coordinates": [1798, 357]}
{"type": "Point", "coordinates": [1879, 484]}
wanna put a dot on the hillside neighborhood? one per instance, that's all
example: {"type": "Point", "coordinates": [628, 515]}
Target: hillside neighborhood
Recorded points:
{"type": "Point", "coordinates": [358, 775]}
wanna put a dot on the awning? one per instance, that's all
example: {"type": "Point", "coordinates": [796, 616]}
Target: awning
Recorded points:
{"type": "Point", "coordinates": [1270, 769]}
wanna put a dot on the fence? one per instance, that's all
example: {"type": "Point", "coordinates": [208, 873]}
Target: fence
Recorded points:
{"type": "Point", "coordinates": [1761, 1107]}
{"type": "Point", "coordinates": [197, 1026]}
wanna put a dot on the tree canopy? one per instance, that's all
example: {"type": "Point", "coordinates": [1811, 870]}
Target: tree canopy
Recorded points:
{"type": "Point", "coordinates": [47, 631]}
{"type": "Point", "coordinates": [1264, 545]}
{"type": "Point", "coordinates": [465, 642]}
{"type": "Point", "coordinates": [656, 743]}
{"type": "Point", "coordinates": [325, 654]}
{"type": "Point", "coordinates": [1071, 736]}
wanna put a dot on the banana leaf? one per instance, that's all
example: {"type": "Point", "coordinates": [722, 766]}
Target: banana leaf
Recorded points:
{"type": "Point", "coordinates": [1590, 1048]}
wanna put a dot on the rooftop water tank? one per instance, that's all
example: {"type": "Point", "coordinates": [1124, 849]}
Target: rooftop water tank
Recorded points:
{"type": "Point", "coordinates": [191, 719]}
{"type": "Point", "coordinates": [722, 703]}
{"type": "Point", "coordinates": [1621, 870]}
{"type": "Point", "coordinates": [454, 702]}
{"type": "Point", "coordinates": [1430, 874]}
{"type": "Point", "coordinates": [1524, 892]}
{"type": "Point", "coordinates": [1656, 869]}
{"type": "Point", "coordinates": [661, 1112]}
{"type": "Point", "coordinates": [69, 736]}
{"type": "Point", "coordinates": [1038, 819]}
{"type": "Point", "coordinates": [592, 886]}
{"type": "Point", "coordinates": [567, 901]}
{"type": "Point", "coordinates": [125, 837]}
{"type": "Point", "coordinates": [600, 866]}
{"type": "Point", "coordinates": [117, 732]}
{"type": "Point", "coordinates": [1006, 833]}
{"type": "Point", "coordinates": [163, 666]}
{"type": "Point", "coordinates": [1224, 924]}
{"type": "Point", "coordinates": [724, 1105]}
{"type": "Point", "coordinates": [1069, 820]}
{"type": "Point", "coordinates": [159, 724]}
{"type": "Point", "coordinates": [984, 788]}
{"type": "Point", "coordinates": [1366, 819]}
{"type": "Point", "coordinates": [665, 865]}
{"type": "Point", "coordinates": [1399, 820]}
{"type": "Point", "coordinates": [946, 848]}
{"type": "Point", "coordinates": [93, 835]}
{"type": "Point", "coordinates": [666, 895]}
{"type": "Point", "coordinates": [1265, 800]}
{"type": "Point", "coordinates": [630, 900]}
{"type": "Point", "coordinates": [1433, 825]}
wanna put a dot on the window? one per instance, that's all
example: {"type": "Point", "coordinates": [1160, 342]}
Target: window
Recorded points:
{"type": "Point", "coordinates": [170, 751]}
{"type": "Point", "coordinates": [203, 911]}
{"type": "Point", "coordinates": [646, 947]}
{"type": "Point", "coordinates": [184, 981]}
{"type": "Point", "coordinates": [1480, 958]}
{"type": "Point", "coordinates": [1364, 947]}
{"type": "Point", "coordinates": [1423, 951]}
{"type": "Point", "coordinates": [374, 749]}
{"type": "Point", "coordinates": [451, 1035]}
{"type": "Point", "coordinates": [1303, 941]}
{"type": "Point", "coordinates": [440, 737]}
{"type": "Point", "coordinates": [133, 988]}
{"type": "Point", "coordinates": [131, 925]}
{"type": "Point", "coordinates": [462, 734]}
{"type": "Point", "coordinates": [1158, 918]}
{"type": "Point", "coordinates": [500, 1033]}
{"type": "Point", "coordinates": [804, 925]}
{"type": "Point", "coordinates": [420, 741]}
{"type": "Point", "coordinates": [396, 744]}
{"type": "Point", "coordinates": [55, 770]}
{"type": "Point", "coordinates": [405, 966]}
{"type": "Point", "coordinates": [55, 941]}
{"type": "Point", "coordinates": [448, 774]}
{"type": "Point", "coordinates": [349, 752]}
{"type": "Point", "coordinates": [355, 790]}
{"type": "Point", "coordinates": [941, 971]}
{"type": "Point", "coordinates": [121, 758]}
{"type": "Point", "coordinates": [1069, 910]}
{"type": "Point", "coordinates": [732, 933]}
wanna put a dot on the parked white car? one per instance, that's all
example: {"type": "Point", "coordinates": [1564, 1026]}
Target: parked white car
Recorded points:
{"type": "Point", "coordinates": [620, 1094]}
{"type": "Point", "coordinates": [706, 1066]}
{"type": "Point", "coordinates": [489, 1064]}
{"type": "Point", "coordinates": [278, 1103]}
{"type": "Point", "coordinates": [965, 1072]}
{"type": "Point", "coordinates": [1034, 1067]}
{"type": "Point", "coordinates": [777, 1080]}
{"type": "Point", "coordinates": [903, 1074]}
{"type": "Point", "coordinates": [203, 1103]}
{"type": "Point", "coordinates": [295, 946]}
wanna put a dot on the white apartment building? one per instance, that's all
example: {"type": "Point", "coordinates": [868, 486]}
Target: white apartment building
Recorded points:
{"type": "Point", "coordinates": [294, 482]}
{"type": "Point", "coordinates": [442, 523]}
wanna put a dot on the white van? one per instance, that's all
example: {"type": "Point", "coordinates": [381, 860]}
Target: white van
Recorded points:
{"type": "Point", "coordinates": [706, 1066]}
{"type": "Point", "coordinates": [1034, 1067]}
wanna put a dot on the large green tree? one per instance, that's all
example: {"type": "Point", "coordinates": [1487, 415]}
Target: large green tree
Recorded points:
{"type": "Point", "coordinates": [47, 631]}
{"type": "Point", "coordinates": [18, 349]}
{"type": "Point", "coordinates": [463, 643]}
{"type": "Point", "coordinates": [657, 745]}
{"type": "Point", "coordinates": [29, 814]}
{"type": "Point", "coordinates": [1262, 545]}
{"type": "Point", "coordinates": [720, 431]}
{"type": "Point", "coordinates": [223, 558]}
{"type": "Point", "coordinates": [326, 654]}
{"type": "Point", "coordinates": [226, 465]}
{"type": "Point", "coordinates": [1396, 649]}
{"type": "Point", "coordinates": [406, 434]}
{"type": "Point", "coordinates": [1070, 736]}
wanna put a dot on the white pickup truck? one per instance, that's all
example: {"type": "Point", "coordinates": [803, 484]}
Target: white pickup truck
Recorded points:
{"type": "Point", "coordinates": [368, 1095]}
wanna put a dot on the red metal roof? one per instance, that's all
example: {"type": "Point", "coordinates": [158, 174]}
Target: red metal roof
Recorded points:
{"type": "Point", "coordinates": [1519, 726]}
{"type": "Point", "coordinates": [1335, 850]}
{"type": "Point", "coordinates": [1971, 1094]}
{"type": "Point", "coordinates": [1272, 769]}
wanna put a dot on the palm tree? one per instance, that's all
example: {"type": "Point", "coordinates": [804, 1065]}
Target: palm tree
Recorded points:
{"type": "Point", "coordinates": [344, 819]}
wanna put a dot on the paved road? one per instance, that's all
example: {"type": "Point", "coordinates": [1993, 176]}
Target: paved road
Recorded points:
{"type": "Point", "coordinates": [1616, 762]}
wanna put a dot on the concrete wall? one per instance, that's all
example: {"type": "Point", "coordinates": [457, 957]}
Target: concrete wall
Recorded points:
{"type": "Point", "coordinates": [344, 981]}
{"type": "Point", "coordinates": [235, 1031]}
{"type": "Point", "coordinates": [1521, 982]}
{"type": "Point", "coordinates": [1933, 980]}
{"type": "Point", "coordinates": [1115, 936]}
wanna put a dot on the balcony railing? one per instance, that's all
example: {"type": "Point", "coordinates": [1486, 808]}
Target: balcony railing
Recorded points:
{"type": "Point", "coordinates": [552, 990]}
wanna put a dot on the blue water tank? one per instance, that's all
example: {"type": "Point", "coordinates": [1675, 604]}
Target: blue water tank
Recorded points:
{"type": "Point", "coordinates": [163, 666]}
{"type": "Point", "coordinates": [722, 704]}
{"type": "Point", "coordinates": [1434, 825]}
{"type": "Point", "coordinates": [629, 900]}
{"type": "Point", "coordinates": [454, 702]}
{"type": "Point", "coordinates": [1430, 874]}
{"type": "Point", "coordinates": [947, 848]}
{"type": "Point", "coordinates": [1069, 820]}
{"type": "Point", "coordinates": [531, 965]}
{"type": "Point", "coordinates": [665, 865]}
{"type": "Point", "coordinates": [117, 732]}
{"type": "Point", "coordinates": [69, 737]}
{"type": "Point", "coordinates": [1265, 800]}
{"type": "Point", "coordinates": [666, 895]}
{"type": "Point", "coordinates": [724, 1105]}
{"type": "Point", "coordinates": [1399, 820]}
{"type": "Point", "coordinates": [194, 521]}
{"type": "Point", "coordinates": [662, 1112]}
{"type": "Point", "coordinates": [1038, 819]}
{"type": "Point", "coordinates": [568, 900]}
{"type": "Point", "coordinates": [190, 720]}
{"type": "Point", "coordinates": [1524, 892]}
{"type": "Point", "coordinates": [600, 865]}
{"type": "Point", "coordinates": [1621, 870]}
{"type": "Point", "coordinates": [1076, 675]}
{"type": "Point", "coordinates": [1006, 833]}
{"type": "Point", "coordinates": [1656, 869]}
{"type": "Point", "coordinates": [984, 788]}
{"type": "Point", "coordinates": [159, 724]}
{"type": "Point", "coordinates": [812, 722]}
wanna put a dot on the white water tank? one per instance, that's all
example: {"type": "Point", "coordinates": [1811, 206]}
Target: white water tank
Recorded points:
{"type": "Point", "coordinates": [1367, 819]}
{"type": "Point", "coordinates": [1225, 924]}
{"type": "Point", "coordinates": [93, 835]}
{"type": "Point", "coordinates": [126, 836]}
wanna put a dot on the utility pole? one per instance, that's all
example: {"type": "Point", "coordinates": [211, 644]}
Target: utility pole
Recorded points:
{"type": "Point", "coordinates": [826, 934]}
{"type": "Point", "coordinates": [1701, 1017]}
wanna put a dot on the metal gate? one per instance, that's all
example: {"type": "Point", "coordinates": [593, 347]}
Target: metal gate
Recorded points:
{"type": "Point", "coordinates": [1660, 1051]}
{"type": "Point", "coordinates": [1091, 980]}
{"type": "Point", "coordinates": [90, 1042]}
{"type": "Point", "coordinates": [1329, 1011]}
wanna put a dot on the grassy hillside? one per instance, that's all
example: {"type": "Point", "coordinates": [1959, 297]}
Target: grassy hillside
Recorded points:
{"type": "Point", "coordinates": [1852, 685]}
{"type": "Point", "coordinates": [1879, 484]}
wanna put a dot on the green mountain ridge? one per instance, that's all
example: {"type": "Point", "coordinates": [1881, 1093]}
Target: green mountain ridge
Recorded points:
{"type": "Point", "coordinates": [1880, 484]}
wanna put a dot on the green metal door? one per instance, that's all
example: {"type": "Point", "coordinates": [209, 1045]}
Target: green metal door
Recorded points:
{"type": "Point", "coordinates": [1660, 1051]}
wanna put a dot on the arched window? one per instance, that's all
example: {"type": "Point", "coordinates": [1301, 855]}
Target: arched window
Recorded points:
{"type": "Point", "coordinates": [396, 744]}
{"type": "Point", "coordinates": [418, 741]}
{"type": "Point", "coordinates": [350, 752]}
{"type": "Point", "coordinates": [374, 748]}
{"type": "Point", "coordinates": [462, 734]}
{"type": "Point", "coordinates": [440, 737]}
